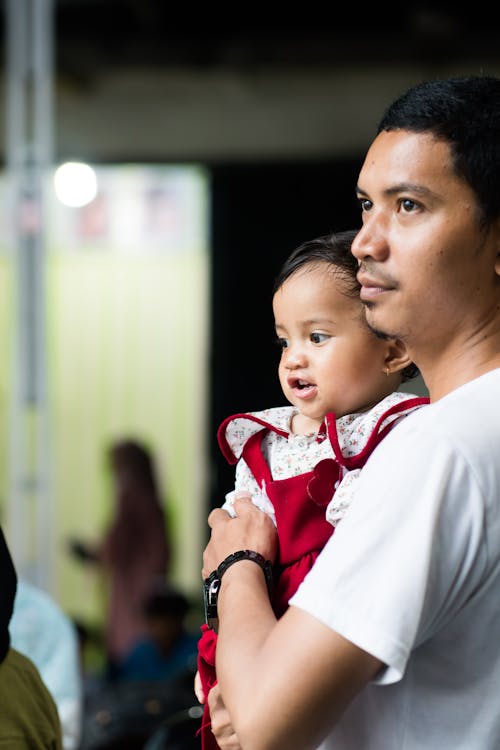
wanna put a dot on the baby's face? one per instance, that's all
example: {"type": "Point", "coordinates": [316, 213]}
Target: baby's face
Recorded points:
{"type": "Point", "coordinates": [330, 360]}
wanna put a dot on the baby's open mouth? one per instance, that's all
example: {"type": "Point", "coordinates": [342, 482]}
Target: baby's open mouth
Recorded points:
{"type": "Point", "coordinates": [304, 387]}
{"type": "Point", "coordinates": [301, 384]}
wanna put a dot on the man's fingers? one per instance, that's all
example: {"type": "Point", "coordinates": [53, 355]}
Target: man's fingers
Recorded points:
{"type": "Point", "coordinates": [221, 723]}
{"type": "Point", "coordinates": [251, 528]}
{"type": "Point", "coordinates": [243, 504]}
{"type": "Point", "coordinates": [217, 516]}
{"type": "Point", "coordinates": [198, 689]}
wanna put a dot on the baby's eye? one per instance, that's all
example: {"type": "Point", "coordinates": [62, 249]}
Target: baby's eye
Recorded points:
{"type": "Point", "coordinates": [365, 204]}
{"type": "Point", "coordinates": [282, 343]}
{"type": "Point", "coordinates": [318, 338]}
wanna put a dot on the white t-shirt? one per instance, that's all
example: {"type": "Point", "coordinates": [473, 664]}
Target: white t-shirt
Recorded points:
{"type": "Point", "coordinates": [412, 575]}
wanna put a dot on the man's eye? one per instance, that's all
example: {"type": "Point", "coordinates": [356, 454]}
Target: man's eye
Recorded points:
{"type": "Point", "coordinates": [365, 204]}
{"type": "Point", "coordinates": [318, 338]}
{"type": "Point", "coordinates": [282, 343]}
{"type": "Point", "coordinates": [408, 205]}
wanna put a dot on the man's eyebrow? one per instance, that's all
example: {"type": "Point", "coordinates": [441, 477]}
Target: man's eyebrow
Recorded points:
{"type": "Point", "coordinates": [401, 187]}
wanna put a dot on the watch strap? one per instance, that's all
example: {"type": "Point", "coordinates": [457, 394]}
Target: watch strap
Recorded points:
{"type": "Point", "coordinates": [211, 585]}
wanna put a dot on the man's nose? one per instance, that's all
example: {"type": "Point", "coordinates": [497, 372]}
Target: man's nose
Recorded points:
{"type": "Point", "coordinates": [370, 241]}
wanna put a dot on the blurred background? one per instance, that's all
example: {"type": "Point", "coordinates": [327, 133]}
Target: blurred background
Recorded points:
{"type": "Point", "coordinates": [159, 164]}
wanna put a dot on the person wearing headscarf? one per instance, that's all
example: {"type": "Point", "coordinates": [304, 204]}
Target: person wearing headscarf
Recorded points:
{"type": "Point", "coordinates": [135, 549]}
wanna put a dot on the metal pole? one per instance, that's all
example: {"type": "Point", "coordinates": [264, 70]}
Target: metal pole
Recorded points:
{"type": "Point", "coordinates": [29, 166]}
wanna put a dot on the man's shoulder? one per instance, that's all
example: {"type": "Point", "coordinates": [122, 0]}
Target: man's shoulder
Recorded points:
{"type": "Point", "coordinates": [466, 409]}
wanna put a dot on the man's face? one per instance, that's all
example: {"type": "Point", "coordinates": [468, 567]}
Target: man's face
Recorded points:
{"type": "Point", "coordinates": [427, 269]}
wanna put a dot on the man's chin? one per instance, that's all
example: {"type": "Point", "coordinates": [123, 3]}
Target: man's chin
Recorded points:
{"type": "Point", "coordinates": [376, 329]}
{"type": "Point", "coordinates": [380, 334]}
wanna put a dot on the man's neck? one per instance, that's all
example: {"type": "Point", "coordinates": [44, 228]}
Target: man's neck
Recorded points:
{"type": "Point", "coordinates": [448, 374]}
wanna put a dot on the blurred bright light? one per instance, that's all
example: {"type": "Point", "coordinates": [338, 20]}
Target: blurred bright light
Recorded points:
{"type": "Point", "coordinates": [75, 183]}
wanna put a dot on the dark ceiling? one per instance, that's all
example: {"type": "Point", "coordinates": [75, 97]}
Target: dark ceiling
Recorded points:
{"type": "Point", "coordinates": [93, 34]}
{"type": "Point", "coordinates": [96, 34]}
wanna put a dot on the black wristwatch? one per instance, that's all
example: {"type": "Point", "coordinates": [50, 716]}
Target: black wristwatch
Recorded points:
{"type": "Point", "coordinates": [211, 585]}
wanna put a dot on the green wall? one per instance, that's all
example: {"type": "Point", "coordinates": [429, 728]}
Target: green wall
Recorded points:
{"type": "Point", "coordinates": [127, 336]}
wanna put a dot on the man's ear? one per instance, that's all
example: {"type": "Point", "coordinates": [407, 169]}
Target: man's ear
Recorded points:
{"type": "Point", "coordinates": [497, 264]}
{"type": "Point", "coordinates": [497, 259]}
{"type": "Point", "coordinates": [397, 357]}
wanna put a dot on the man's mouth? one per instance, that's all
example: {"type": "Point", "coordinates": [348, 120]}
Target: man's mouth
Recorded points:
{"type": "Point", "coordinates": [371, 288]}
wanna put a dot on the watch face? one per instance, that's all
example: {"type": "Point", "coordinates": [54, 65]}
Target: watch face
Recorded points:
{"type": "Point", "coordinates": [210, 593]}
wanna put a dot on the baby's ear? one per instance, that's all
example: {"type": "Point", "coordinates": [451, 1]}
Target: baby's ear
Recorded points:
{"type": "Point", "coordinates": [397, 357]}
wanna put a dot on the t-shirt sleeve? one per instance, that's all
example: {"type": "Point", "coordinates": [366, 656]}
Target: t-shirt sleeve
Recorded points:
{"type": "Point", "coordinates": [408, 554]}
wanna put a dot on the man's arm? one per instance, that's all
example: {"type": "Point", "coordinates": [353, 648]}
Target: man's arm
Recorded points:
{"type": "Point", "coordinates": [285, 683]}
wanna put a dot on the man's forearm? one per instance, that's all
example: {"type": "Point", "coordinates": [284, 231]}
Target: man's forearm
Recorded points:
{"type": "Point", "coordinates": [245, 621]}
{"type": "Point", "coordinates": [285, 683]}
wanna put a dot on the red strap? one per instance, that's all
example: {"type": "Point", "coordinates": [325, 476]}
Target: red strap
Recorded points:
{"type": "Point", "coordinates": [377, 434]}
{"type": "Point", "coordinates": [226, 449]}
{"type": "Point", "coordinates": [254, 458]}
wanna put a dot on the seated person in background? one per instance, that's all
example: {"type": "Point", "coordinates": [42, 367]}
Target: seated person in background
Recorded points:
{"type": "Point", "coordinates": [169, 650]}
{"type": "Point", "coordinates": [28, 714]}
{"type": "Point", "coordinates": [40, 630]}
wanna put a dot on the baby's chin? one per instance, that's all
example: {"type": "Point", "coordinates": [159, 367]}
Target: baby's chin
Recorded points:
{"type": "Point", "coordinates": [305, 424]}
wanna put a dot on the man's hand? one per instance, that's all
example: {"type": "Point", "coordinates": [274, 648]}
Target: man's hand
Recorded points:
{"type": "Point", "coordinates": [221, 723]}
{"type": "Point", "coordinates": [198, 689]}
{"type": "Point", "coordinates": [250, 529]}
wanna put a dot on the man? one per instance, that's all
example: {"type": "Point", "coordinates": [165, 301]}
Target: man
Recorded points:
{"type": "Point", "coordinates": [391, 642]}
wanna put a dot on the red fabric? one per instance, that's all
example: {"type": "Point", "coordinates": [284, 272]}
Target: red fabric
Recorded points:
{"type": "Point", "coordinates": [299, 504]}
{"type": "Point", "coordinates": [302, 532]}
{"type": "Point", "coordinates": [206, 670]}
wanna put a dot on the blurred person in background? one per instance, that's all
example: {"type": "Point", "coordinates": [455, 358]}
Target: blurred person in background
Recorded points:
{"type": "Point", "coordinates": [28, 713]}
{"type": "Point", "coordinates": [168, 650]}
{"type": "Point", "coordinates": [135, 550]}
{"type": "Point", "coordinates": [40, 630]}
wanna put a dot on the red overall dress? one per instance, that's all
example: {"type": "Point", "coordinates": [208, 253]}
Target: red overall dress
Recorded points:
{"type": "Point", "coordinates": [299, 504]}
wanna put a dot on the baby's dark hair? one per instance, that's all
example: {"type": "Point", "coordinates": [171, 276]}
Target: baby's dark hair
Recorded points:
{"type": "Point", "coordinates": [335, 250]}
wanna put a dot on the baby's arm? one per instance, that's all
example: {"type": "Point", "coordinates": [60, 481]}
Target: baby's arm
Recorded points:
{"type": "Point", "coordinates": [245, 482]}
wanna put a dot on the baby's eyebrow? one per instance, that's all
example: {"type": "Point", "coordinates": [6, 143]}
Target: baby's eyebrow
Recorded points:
{"type": "Point", "coordinates": [307, 323]}
{"type": "Point", "coordinates": [318, 321]}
